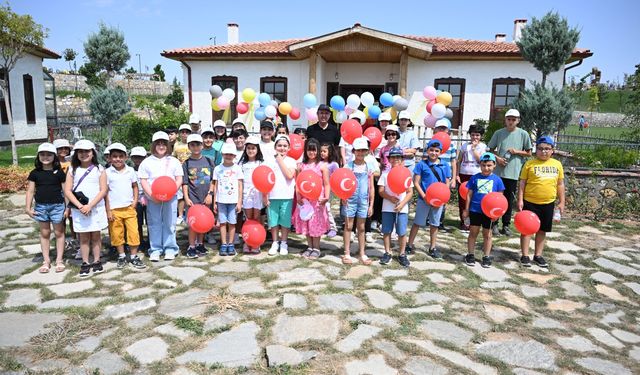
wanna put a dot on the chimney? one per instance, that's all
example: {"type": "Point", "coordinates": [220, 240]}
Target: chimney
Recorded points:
{"type": "Point", "coordinates": [233, 33]}
{"type": "Point", "coordinates": [518, 25]}
{"type": "Point", "coordinates": [501, 37]}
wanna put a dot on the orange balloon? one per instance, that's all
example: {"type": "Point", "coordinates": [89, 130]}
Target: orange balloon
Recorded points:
{"type": "Point", "coordinates": [263, 178]}
{"type": "Point", "coordinates": [343, 183]}
{"type": "Point", "coordinates": [437, 194]}
{"type": "Point", "coordinates": [399, 179]}
{"type": "Point", "coordinates": [296, 148]}
{"type": "Point", "coordinates": [444, 139]}
{"type": "Point", "coordinates": [164, 188]}
{"type": "Point", "coordinates": [494, 205]}
{"type": "Point", "coordinates": [285, 108]}
{"type": "Point", "coordinates": [375, 136]}
{"type": "Point", "coordinates": [200, 218]}
{"type": "Point", "coordinates": [527, 222]}
{"type": "Point", "coordinates": [253, 233]}
{"type": "Point", "coordinates": [309, 184]}
{"type": "Point", "coordinates": [463, 190]}
{"type": "Point", "coordinates": [350, 130]}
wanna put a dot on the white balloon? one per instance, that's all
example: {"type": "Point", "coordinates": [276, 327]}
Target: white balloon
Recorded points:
{"type": "Point", "coordinates": [229, 94]}
{"type": "Point", "coordinates": [270, 111]}
{"type": "Point", "coordinates": [353, 101]}
{"type": "Point", "coordinates": [342, 117]}
{"type": "Point", "coordinates": [449, 113]}
{"type": "Point", "coordinates": [367, 99]}
{"type": "Point", "coordinates": [438, 110]}
{"type": "Point", "coordinates": [396, 97]}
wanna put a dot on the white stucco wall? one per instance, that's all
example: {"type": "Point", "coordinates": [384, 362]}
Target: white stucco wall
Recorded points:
{"type": "Point", "coordinates": [32, 65]}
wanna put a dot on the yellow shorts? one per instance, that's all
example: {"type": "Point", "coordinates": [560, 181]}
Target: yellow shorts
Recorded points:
{"type": "Point", "coordinates": [124, 217]}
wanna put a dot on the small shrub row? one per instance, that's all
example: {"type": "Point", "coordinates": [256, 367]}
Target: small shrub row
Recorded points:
{"type": "Point", "coordinates": [608, 157]}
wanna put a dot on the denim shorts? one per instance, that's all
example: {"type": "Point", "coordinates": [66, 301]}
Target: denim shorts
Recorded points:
{"type": "Point", "coordinates": [227, 213]}
{"type": "Point", "coordinates": [427, 214]}
{"type": "Point", "coordinates": [391, 219]}
{"type": "Point", "coordinates": [53, 212]}
{"type": "Point", "coordinates": [356, 207]}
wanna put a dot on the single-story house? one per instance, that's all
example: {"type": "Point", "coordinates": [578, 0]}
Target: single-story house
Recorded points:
{"type": "Point", "coordinates": [26, 98]}
{"type": "Point", "coordinates": [483, 77]}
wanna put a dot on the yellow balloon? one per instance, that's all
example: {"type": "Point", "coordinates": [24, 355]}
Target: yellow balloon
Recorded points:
{"type": "Point", "coordinates": [394, 114]}
{"type": "Point", "coordinates": [214, 105]}
{"type": "Point", "coordinates": [444, 98]}
{"type": "Point", "coordinates": [366, 112]}
{"type": "Point", "coordinates": [248, 95]}
{"type": "Point", "coordinates": [285, 108]}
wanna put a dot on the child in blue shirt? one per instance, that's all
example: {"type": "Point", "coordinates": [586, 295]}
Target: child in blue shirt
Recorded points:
{"type": "Point", "coordinates": [450, 158]}
{"type": "Point", "coordinates": [480, 185]}
{"type": "Point", "coordinates": [427, 172]}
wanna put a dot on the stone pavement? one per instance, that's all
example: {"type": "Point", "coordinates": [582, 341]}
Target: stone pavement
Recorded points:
{"type": "Point", "coordinates": [265, 315]}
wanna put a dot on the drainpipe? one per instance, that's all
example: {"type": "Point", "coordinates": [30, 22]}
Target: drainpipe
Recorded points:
{"type": "Point", "coordinates": [189, 85]}
{"type": "Point", "coordinates": [564, 75]}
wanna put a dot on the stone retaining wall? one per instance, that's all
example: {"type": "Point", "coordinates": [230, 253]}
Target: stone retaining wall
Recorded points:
{"type": "Point", "coordinates": [132, 86]}
{"type": "Point", "coordinates": [599, 119]}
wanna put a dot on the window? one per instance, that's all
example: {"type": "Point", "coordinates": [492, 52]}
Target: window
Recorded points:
{"type": "Point", "coordinates": [455, 87]}
{"type": "Point", "coordinates": [277, 88]}
{"type": "Point", "coordinates": [29, 100]}
{"type": "Point", "coordinates": [504, 92]}
{"type": "Point", "coordinates": [391, 88]}
{"type": "Point", "coordinates": [226, 82]}
{"type": "Point", "coordinates": [4, 118]}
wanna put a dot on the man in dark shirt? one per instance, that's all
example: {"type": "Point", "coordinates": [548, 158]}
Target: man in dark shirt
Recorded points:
{"type": "Point", "coordinates": [324, 131]}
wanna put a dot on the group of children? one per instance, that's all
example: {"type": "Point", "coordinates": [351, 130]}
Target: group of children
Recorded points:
{"type": "Point", "coordinates": [210, 169]}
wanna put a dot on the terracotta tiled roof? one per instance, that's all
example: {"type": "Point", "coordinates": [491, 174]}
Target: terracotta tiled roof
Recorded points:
{"type": "Point", "coordinates": [269, 47]}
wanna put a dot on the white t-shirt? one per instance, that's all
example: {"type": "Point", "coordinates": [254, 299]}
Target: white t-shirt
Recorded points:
{"type": "Point", "coordinates": [152, 168]}
{"type": "Point", "coordinates": [387, 205]}
{"type": "Point", "coordinates": [120, 186]}
{"type": "Point", "coordinates": [268, 150]}
{"type": "Point", "coordinates": [227, 187]}
{"type": "Point", "coordinates": [239, 153]}
{"type": "Point", "coordinates": [247, 171]}
{"type": "Point", "coordinates": [469, 165]}
{"type": "Point", "coordinates": [348, 151]}
{"type": "Point", "coordinates": [283, 189]}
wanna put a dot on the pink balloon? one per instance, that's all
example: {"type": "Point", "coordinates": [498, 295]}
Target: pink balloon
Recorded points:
{"type": "Point", "coordinates": [430, 121]}
{"type": "Point", "coordinates": [312, 114]}
{"type": "Point", "coordinates": [223, 102]}
{"type": "Point", "coordinates": [348, 110]}
{"type": "Point", "coordinates": [429, 92]}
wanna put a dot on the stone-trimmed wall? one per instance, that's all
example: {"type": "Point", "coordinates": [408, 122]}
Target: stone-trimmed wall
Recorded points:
{"type": "Point", "coordinates": [132, 86]}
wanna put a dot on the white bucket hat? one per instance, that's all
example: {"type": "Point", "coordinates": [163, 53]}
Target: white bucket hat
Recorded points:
{"type": "Point", "coordinates": [47, 147]}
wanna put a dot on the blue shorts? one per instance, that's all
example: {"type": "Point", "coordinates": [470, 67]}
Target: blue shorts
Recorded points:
{"type": "Point", "coordinates": [53, 212]}
{"type": "Point", "coordinates": [227, 213]}
{"type": "Point", "coordinates": [424, 212]}
{"type": "Point", "coordinates": [356, 207]}
{"type": "Point", "coordinates": [279, 212]}
{"type": "Point", "coordinates": [400, 220]}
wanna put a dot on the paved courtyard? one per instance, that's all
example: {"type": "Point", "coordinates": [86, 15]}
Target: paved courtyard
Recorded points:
{"type": "Point", "coordinates": [287, 315]}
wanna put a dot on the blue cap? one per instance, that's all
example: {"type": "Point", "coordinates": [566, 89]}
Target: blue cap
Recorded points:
{"type": "Point", "coordinates": [546, 139]}
{"type": "Point", "coordinates": [396, 151]}
{"type": "Point", "coordinates": [487, 156]}
{"type": "Point", "coordinates": [434, 143]}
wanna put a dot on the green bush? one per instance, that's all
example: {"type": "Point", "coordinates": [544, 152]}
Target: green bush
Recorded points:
{"type": "Point", "coordinates": [137, 131]}
{"type": "Point", "coordinates": [608, 157]}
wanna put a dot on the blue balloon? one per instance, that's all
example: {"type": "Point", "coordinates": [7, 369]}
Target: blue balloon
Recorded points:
{"type": "Point", "coordinates": [337, 103]}
{"type": "Point", "coordinates": [264, 99]}
{"type": "Point", "coordinates": [386, 99]}
{"type": "Point", "coordinates": [309, 100]}
{"type": "Point", "coordinates": [374, 112]}
{"type": "Point", "coordinates": [259, 113]}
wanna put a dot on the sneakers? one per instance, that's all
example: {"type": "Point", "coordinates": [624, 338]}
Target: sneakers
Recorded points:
{"type": "Point", "coordinates": [403, 260]}
{"type": "Point", "coordinates": [97, 267]}
{"type": "Point", "coordinates": [154, 256]}
{"type": "Point", "coordinates": [179, 221]}
{"type": "Point", "coordinates": [470, 260]}
{"type": "Point", "coordinates": [494, 231]}
{"type": "Point", "coordinates": [169, 256]}
{"type": "Point", "coordinates": [442, 228]}
{"type": "Point", "coordinates": [408, 249]}
{"type": "Point", "coordinates": [486, 262]}
{"type": "Point", "coordinates": [231, 250]}
{"type": "Point", "coordinates": [85, 268]}
{"type": "Point", "coordinates": [136, 262]}
{"type": "Point", "coordinates": [525, 261]}
{"type": "Point", "coordinates": [223, 250]}
{"type": "Point", "coordinates": [386, 258]}
{"type": "Point", "coordinates": [78, 255]}
{"type": "Point", "coordinates": [369, 237]}
{"type": "Point", "coordinates": [435, 253]}
{"type": "Point", "coordinates": [191, 252]}
{"type": "Point", "coordinates": [464, 228]}
{"type": "Point", "coordinates": [506, 231]}
{"type": "Point", "coordinates": [122, 262]}
{"type": "Point", "coordinates": [539, 260]}
{"type": "Point", "coordinates": [275, 246]}
{"type": "Point", "coordinates": [332, 233]}
{"type": "Point", "coordinates": [284, 248]}
{"type": "Point", "coordinates": [201, 250]}
{"type": "Point", "coordinates": [394, 236]}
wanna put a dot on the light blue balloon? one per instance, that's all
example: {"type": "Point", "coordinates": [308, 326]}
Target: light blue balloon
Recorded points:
{"type": "Point", "coordinates": [386, 99]}
{"type": "Point", "coordinates": [337, 102]}
{"type": "Point", "coordinates": [259, 113]}
{"type": "Point", "coordinates": [374, 112]}
{"type": "Point", "coordinates": [309, 100]}
{"type": "Point", "coordinates": [264, 99]}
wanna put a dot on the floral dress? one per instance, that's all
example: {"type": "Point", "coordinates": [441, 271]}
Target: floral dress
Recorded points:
{"type": "Point", "coordinates": [318, 225]}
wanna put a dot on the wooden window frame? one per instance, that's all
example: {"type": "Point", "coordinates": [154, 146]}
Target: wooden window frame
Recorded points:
{"type": "Point", "coordinates": [221, 80]}
{"type": "Point", "coordinates": [493, 115]}
{"type": "Point", "coordinates": [454, 81]}
{"type": "Point", "coordinates": [276, 79]}
{"type": "Point", "coordinates": [4, 116]}
{"type": "Point", "coordinates": [29, 99]}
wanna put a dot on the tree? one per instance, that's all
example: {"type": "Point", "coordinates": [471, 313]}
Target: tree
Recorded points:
{"type": "Point", "coordinates": [544, 110]}
{"type": "Point", "coordinates": [176, 97]}
{"type": "Point", "coordinates": [95, 78]}
{"type": "Point", "coordinates": [157, 70]}
{"type": "Point", "coordinates": [107, 49]}
{"type": "Point", "coordinates": [108, 105]}
{"type": "Point", "coordinates": [130, 70]}
{"type": "Point", "coordinates": [548, 43]}
{"type": "Point", "coordinates": [18, 34]}
{"type": "Point", "coordinates": [69, 55]}
{"type": "Point", "coordinates": [632, 108]}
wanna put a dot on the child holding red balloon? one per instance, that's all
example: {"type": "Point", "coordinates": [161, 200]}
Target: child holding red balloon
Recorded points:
{"type": "Point", "coordinates": [252, 198]}
{"type": "Point", "coordinates": [541, 183]}
{"type": "Point", "coordinates": [314, 227]}
{"type": "Point", "coordinates": [161, 214]}
{"type": "Point", "coordinates": [479, 186]}
{"type": "Point", "coordinates": [328, 157]}
{"type": "Point", "coordinates": [227, 190]}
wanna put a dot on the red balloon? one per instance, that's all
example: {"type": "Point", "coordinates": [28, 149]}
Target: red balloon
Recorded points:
{"type": "Point", "coordinates": [343, 183]}
{"type": "Point", "coordinates": [527, 222]}
{"type": "Point", "coordinates": [294, 114]}
{"type": "Point", "coordinates": [375, 136]}
{"type": "Point", "coordinates": [399, 179]}
{"type": "Point", "coordinates": [463, 190]}
{"type": "Point", "coordinates": [253, 233]}
{"type": "Point", "coordinates": [242, 108]}
{"type": "Point", "coordinates": [263, 178]}
{"type": "Point", "coordinates": [296, 146]}
{"type": "Point", "coordinates": [309, 184]}
{"type": "Point", "coordinates": [444, 139]}
{"type": "Point", "coordinates": [429, 105]}
{"type": "Point", "coordinates": [350, 130]}
{"type": "Point", "coordinates": [200, 218]}
{"type": "Point", "coordinates": [164, 188]}
{"type": "Point", "coordinates": [494, 205]}
{"type": "Point", "coordinates": [437, 194]}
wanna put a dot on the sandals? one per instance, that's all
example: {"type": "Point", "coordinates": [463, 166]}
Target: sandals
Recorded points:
{"type": "Point", "coordinates": [346, 259]}
{"type": "Point", "coordinates": [314, 254]}
{"type": "Point", "coordinates": [365, 260]}
{"type": "Point", "coordinates": [60, 267]}
{"type": "Point", "coordinates": [45, 267]}
{"type": "Point", "coordinates": [305, 254]}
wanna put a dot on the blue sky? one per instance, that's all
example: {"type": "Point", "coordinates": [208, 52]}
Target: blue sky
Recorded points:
{"type": "Point", "coordinates": [609, 28]}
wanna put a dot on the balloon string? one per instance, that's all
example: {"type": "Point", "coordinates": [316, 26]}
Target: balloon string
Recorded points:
{"type": "Point", "coordinates": [249, 117]}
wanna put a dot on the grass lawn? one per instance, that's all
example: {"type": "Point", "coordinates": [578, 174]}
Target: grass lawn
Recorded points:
{"type": "Point", "coordinates": [614, 101]}
{"type": "Point", "coordinates": [614, 132]}
{"type": "Point", "coordinates": [26, 155]}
